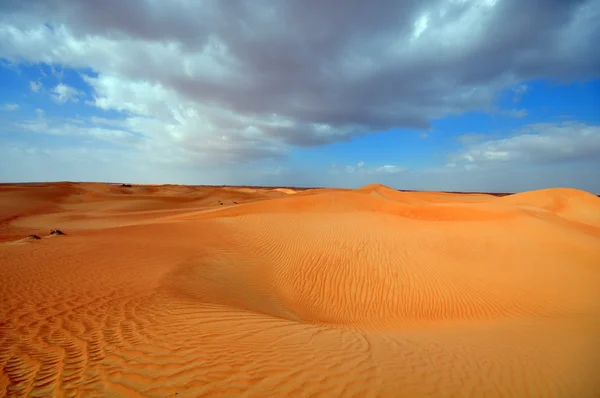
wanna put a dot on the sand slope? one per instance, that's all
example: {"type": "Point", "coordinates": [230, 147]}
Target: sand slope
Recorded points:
{"type": "Point", "coordinates": [196, 291]}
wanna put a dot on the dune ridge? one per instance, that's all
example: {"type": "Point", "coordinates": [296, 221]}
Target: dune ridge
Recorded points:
{"type": "Point", "coordinates": [204, 291]}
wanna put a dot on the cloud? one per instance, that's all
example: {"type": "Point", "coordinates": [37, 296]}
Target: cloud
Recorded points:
{"type": "Point", "coordinates": [518, 92]}
{"type": "Point", "coordinates": [390, 169]}
{"type": "Point", "coordinates": [362, 169]}
{"type": "Point", "coordinates": [102, 121]}
{"type": "Point", "coordinates": [76, 128]}
{"type": "Point", "coordinates": [153, 139]}
{"type": "Point", "coordinates": [514, 112]}
{"type": "Point", "coordinates": [540, 143]}
{"type": "Point", "coordinates": [58, 74]}
{"type": "Point", "coordinates": [471, 138]}
{"type": "Point", "coordinates": [30, 162]}
{"type": "Point", "coordinates": [502, 177]}
{"type": "Point", "coordinates": [244, 81]}
{"type": "Point", "coordinates": [517, 113]}
{"type": "Point", "coordinates": [9, 107]}
{"type": "Point", "coordinates": [35, 86]}
{"type": "Point", "coordinates": [63, 93]}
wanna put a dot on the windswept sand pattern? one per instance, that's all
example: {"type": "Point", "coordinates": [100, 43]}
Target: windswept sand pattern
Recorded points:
{"type": "Point", "coordinates": [164, 291]}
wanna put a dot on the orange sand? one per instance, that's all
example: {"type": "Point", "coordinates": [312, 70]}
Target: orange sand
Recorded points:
{"type": "Point", "coordinates": [163, 291]}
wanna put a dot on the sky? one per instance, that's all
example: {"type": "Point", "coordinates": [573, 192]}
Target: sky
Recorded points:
{"type": "Point", "coordinates": [456, 95]}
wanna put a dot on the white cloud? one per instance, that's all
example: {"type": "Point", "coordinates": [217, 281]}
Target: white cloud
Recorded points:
{"type": "Point", "coordinates": [535, 143]}
{"type": "Point", "coordinates": [390, 169]}
{"type": "Point", "coordinates": [102, 121]}
{"type": "Point", "coordinates": [9, 107]}
{"type": "Point", "coordinates": [35, 86]}
{"type": "Point", "coordinates": [30, 162]}
{"type": "Point", "coordinates": [58, 74]}
{"type": "Point", "coordinates": [518, 92]}
{"type": "Point", "coordinates": [362, 169]}
{"type": "Point", "coordinates": [514, 112]}
{"type": "Point", "coordinates": [472, 138]}
{"type": "Point", "coordinates": [63, 93]}
{"type": "Point", "coordinates": [517, 113]}
{"type": "Point", "coordinates": [76, 129]}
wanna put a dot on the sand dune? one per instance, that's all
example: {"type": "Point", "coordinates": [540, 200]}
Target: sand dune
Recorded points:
{"type": "Point", "coordinates": [200, 291]}
{"type": "Point", "coordinates": [286, 190]}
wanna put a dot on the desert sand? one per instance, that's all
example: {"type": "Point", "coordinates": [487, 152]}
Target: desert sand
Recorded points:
{"type": "Point", "coordinates": [163, 291]}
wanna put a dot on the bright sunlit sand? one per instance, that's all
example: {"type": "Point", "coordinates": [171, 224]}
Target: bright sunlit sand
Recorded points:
{"type": "Point", "coordinates": [163, 291]}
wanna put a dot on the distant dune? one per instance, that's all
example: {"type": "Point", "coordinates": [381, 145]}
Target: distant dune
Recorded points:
{"type": "Point", "coordinates": [167, 290]}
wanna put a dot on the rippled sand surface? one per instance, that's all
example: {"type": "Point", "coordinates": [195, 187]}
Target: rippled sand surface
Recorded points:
{"type": "Point", "coordinates": [163, 291]}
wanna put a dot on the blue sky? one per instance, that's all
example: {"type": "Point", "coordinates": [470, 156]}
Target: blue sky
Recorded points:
{"type": "Point", "coordinates": [190, 100]}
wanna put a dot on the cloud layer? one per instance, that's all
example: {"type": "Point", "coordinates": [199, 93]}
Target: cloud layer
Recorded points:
{"type": "Point", "coordinates": [540, 143]}
{"type": "Point", "coordinates": [225, 82]}
{"type": "Point", "coordinates": [262, 77]}
{"type": "Point", "coordinates": [9, 107]}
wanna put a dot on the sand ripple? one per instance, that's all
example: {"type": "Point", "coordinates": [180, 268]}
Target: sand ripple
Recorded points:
{"type": "Point", "coordinates": [178, 291]}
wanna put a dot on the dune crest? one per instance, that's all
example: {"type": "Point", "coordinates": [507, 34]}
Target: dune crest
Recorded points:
{"type": "Point", "coordinates": [285, 190]}
{"type": "Point", "coordinates": [201, 291]}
